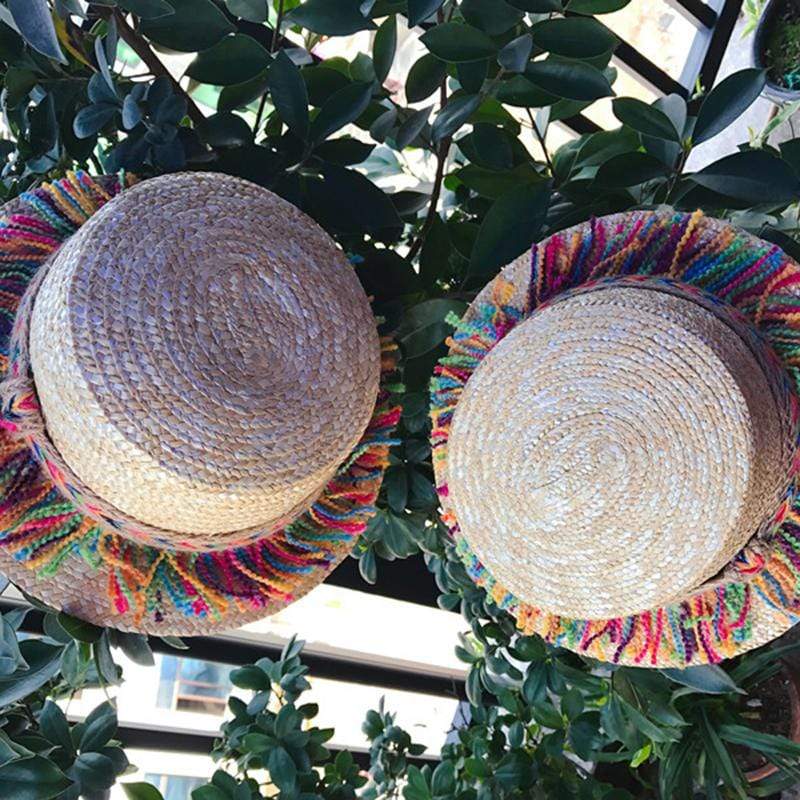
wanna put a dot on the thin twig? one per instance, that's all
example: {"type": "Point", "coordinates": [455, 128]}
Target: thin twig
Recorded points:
{"type": "Point", "coordinates": [540, 137]}
{"type": "Point", "coordinates": [277, 29]}
{"type": "Point", "coordinates": [260, 112]}
{"type": "Point", "coordinates": [139, 45]}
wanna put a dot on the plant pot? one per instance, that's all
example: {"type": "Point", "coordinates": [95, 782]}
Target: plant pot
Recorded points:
{"type": "Point", "coordinates": [774, 91]}
{"type": "Point", "coordinates": [793, 698]}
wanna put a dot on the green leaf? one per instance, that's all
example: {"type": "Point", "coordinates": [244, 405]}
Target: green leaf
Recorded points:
{"type": "Point", "coordinates": [95, 772]}
{"type": "Point", "coordinates": [91, 119]}
{"type": "Point", "coordinates": [573, 80]}
{"type": "Point", "coordinates": [251, 10]}
{"type": "Point", "coordinates": [99, 727]}
{"type": "Point", "coordinates": [424, 326]}
{"type": "Point", "coordinates": [727, 101]}
{"type": "Point", "coordinates": [55, 727]}
{"type": "Point", "coordinates": [331, 19]}
{"type": "Point", "coordinates": [668, 152]}
{"type": "Point", "coordinates": [629, 169]}
{"type": "Point", "coordinates": [424, 78]}
{"type": "Point", "coordinates": [79, 629]}
{"type": "Point", "coordinates": [147, 9]}
{"type": "Point", "coordinates": [420, 10]}
{"type": "Point", "coordinates": [384, 48]}
{"type": "Point", "coordinates": [585, 736]}
{"type": "Point", "coordinates": [544, 713]}
{"type": "Point", "coordinates": [574, 37]}
{"type": "Point", "coordinates": [457, 111]}
{"type": "Point", "coordinates": [491, 16]}
{"type": "Point", "coordinates": [709, 679]}
{"type": "Point", "coordinates": [35, 22]}
{"type": "Point", "coordinates": [510, 227]}
{"type": "Point", "coordinates": [515, 55]}
{"type": "Point", "coordinates": [572, 704]}
{"type": "Point", "coordinates": [494, 183]}
{"type": "Point", "coordinates": [43, 662]}
{"type": "Point", "coordinates": [591, 7]}
{"type": "Point", "coordinates": [106, 668]}
{"type": "Point", "coordinates": [412, 127]}
{"type": "Point", "coordinates": [33, 778]}
{"type": "Point", "coordinates": [210, 793]}
{"type": "Point", "coordinates": [443, 781]}
{"type": "Point", "coordinates": [344, 107]}
{"type": "Point", "coordinates": [282, 769]}
{"type": "Point", "coordinates": [289, 94]}
{"type": "Point", "coordinates": [196, 25]}
{"type": "Point", "coordinates": [234, 59]}
{"type": "Point", "coordinates": [250, 677]}
{"type": "Point", "coordinates": [241, 95]}
{"type": "Point", "coordinates": [456, 43]}
{"type": "Point", "coordinates": [646, 119]}
{"type": "Point", "coordinates": [136, 648]}
{"type": "Point", "coordinates": [141, 791]}
{"type": "Point", "coordinates": [752, 176]}
{"type": "Point", "coordinates": [536, 6]}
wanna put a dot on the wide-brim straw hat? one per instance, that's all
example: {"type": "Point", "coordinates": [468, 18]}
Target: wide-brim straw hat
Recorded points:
{"type": "Point", "coordinates": [194, 421]}
{"type": "Point", "coordinates": [615, 439]}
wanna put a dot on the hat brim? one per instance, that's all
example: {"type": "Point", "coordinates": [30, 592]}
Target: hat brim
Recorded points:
{"type": "Point", "coordinates": [74, 563]}
{"type": "Point", "coordinates": [758, 596]}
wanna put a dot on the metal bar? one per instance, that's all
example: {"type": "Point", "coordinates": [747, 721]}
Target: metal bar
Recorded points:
{"type": "Point", "coordinates": [648, 71]}
{"type": "Point", "coordinates": [581, 124]}
{"type": "Point", "coordinates": [171, 740]}
{"type": "Point", "coordinates": [720, 38]}
{"type": "Point", "coordinates": [697, 11]}
{"type": "Point", "coordinates": [227, 650]}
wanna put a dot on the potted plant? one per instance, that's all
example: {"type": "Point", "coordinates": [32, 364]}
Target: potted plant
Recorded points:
{"type": "Point", "coordinates": [776, 48]}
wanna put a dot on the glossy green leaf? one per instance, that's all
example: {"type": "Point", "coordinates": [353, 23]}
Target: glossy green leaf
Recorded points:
{"type": "Point", "coordinates": [752, 176]}
{"type": "Point", "coordinates": [136, 648]}
{"type": "Point", "coordinates": [425, 327]}
{"type": "Point", "coordinates": [510, 226]}
{"type": "Point", "coordinates": [282, 769]}
{"type": "Point", "coordinates": [196, 25]}
{"type": "Point", "coordinates": [457, 111]}
{"type": "Point", "coordinates": [420, 10]}
{"type": "Point", "coordinates": [573, 37]}
{"type": "Point", "coordinates": [727, 101]}
{"type": "Point", "coordinates": [234, 59]}
{"type": "Point", "coordinates": [43, 662]}
{"type": "Point", "coordinates": [32, 778]}
{"type": "Point", "coordinates": [629, 169]}
{"type": "Point", "coordinates": [708, 679]}
{"type": "Point", "coordinates": [141, 791]}
{"type": "Point", "coordinates": [574, 80]}
{"type": "Point", "coordinates": [250, 677]}
{"type": "Point", "coordinates": [455, 42]}
{"type": "Point", "coordinates": [515, 55]}
{"type": "Point", "coordinates": [100, 726]}
{"type": "Point", "coordinates": [412, 127]}
{"type": "Point", "coordinates": [646, 119]}
{"type": "Point", "coordinates": [491, 16]}
{"type": "Point", "coordinates": [147, 9]}
{"type": "Point", "coordinates": [536, 6]}
{"type": "Point", "coordinates": [55, 727]}
{"type": "Point", "coordinates": [344, 107]}
{"type": "Point", "coordinates": [331, 19]}
{"type": "Point", "coordinates": [79, 629]}
{"type": "Point", "coordinates": [251, 10]}
{"type": "Point", "coordinates": [384, 47]}
{"type": "Point", "coordinates": [665, 150]}
{"type": "Point", "coordinates": [35, 22]}
{"type": "Point", "coordinates": [240, 95]}
{"type": "Point", "coordinates": [95, 772]}
{"type": "Point", "coordinates": [596, 6]}
{"type": "Point", "coordinates": [289, 94]}
{"type": "Point", "coordinates": [424, 78]}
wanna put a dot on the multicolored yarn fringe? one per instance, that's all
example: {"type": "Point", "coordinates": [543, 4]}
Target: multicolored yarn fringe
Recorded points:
{"type": "Point", "coordinates": [42, 529]}
{"type": "Point", "coordinates": [759, 593]}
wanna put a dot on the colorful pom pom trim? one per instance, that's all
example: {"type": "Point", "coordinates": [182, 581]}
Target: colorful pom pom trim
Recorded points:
{"type": "Point", "coordinates": [41, 528]}
{"type": "Point", "coordinates": [758, 596]}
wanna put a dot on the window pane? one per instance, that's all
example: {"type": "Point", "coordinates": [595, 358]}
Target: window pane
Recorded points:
{"type": "Point", "coordinates": [658, 31]}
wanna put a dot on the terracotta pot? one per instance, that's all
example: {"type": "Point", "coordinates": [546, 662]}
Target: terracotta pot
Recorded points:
{"type": "Point", "coordinates": [793, 690]}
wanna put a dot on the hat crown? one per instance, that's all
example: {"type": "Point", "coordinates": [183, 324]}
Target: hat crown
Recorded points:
{"type": "Point", "coordinates": [205, 358]}
{"type": "Point", "coordinates": [618, 447]}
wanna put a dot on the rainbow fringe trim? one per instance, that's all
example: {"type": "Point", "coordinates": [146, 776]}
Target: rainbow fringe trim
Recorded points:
{"type": "Point", "coordinates": [41, 528]}
{"type": "Point", "coordinates": [763, 283]}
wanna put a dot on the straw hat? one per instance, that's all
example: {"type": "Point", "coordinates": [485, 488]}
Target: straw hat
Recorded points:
{"type": "Point", "coordinates": [193, 427]}
{"type": "Point", "coordinates": [616, 435]}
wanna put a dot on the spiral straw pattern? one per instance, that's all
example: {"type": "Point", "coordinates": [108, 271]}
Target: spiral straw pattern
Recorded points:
{"type": "Point", "coordinates": [746, 284]}
{"type": "Point", "coordinates": [84, 563]}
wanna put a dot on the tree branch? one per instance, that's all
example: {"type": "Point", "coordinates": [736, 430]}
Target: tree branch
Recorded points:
{"type": "Point", "coordinates": [139, 45]}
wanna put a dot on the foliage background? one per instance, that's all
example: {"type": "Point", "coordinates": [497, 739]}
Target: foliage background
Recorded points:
{"type": "Point", "coordinates": [86, 85]}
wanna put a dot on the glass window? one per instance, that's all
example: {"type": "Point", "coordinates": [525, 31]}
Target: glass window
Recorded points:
{"type": "Point", "coordinates": [174, 787]}
{"type": "Point", "coordinates": [187, 684]}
